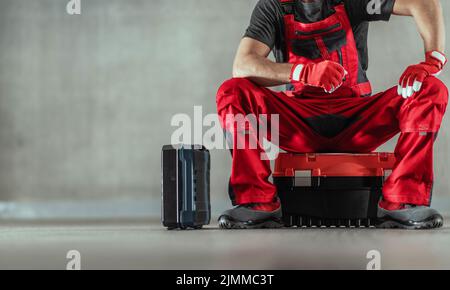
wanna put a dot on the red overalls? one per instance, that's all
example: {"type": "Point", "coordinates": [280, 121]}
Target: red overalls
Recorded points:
{"type": "Point", "coordinates": [348, 120]}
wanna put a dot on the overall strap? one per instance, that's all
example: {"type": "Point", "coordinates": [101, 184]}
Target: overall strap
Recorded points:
{"type": "Point", "coordinates": [287, 6]}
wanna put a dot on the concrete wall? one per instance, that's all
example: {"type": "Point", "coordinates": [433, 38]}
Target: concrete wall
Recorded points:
{"type": "Point", "coordinates": [86, 101]}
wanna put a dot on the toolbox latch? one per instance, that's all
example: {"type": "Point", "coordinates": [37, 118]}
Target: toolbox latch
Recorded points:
{"type": "Point", "coordinates": [303, 178]}
{"type": "Point", "coordinates": [383, 157]}
{"type": "Point", "coordinates": [311, 157]}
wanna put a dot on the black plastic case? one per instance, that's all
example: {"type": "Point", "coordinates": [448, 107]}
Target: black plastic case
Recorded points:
{"type": "Point", "coordinates": [185, 187]}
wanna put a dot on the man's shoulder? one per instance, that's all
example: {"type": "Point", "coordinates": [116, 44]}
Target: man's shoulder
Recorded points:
{"type": "Point", "coordinates": [269, 7]}
{"type": "Point", "coordinates": [269, 3]}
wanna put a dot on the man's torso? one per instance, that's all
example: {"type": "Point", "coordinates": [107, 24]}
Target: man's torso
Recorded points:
{"type": "Point", "coordinates": [267, 22]}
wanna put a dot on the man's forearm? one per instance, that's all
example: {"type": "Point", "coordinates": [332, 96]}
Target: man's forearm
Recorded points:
{"type": "Point", "coordinates": [429, 18]}
{"type": "Point", "coordinates": [262, 71]}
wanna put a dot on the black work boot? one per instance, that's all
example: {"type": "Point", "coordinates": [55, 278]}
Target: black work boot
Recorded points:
{"type": "Point", "coordinates": [410, 217]}
{"type": "Point", "coordinates": [250, 217]}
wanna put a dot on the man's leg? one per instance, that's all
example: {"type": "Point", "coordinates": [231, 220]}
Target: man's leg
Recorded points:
{"type": "Point", "coordinates": [407, 192]}
{"type": "Point", "coordinates": [418, 119]}
{"type": "Point", "coordinates": [250, 173]}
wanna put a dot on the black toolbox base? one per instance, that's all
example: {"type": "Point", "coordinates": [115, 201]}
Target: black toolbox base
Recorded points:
{"type": "Point", "coordinates": [315, 222]}
{"type": "Point", "coordinates": [349, 202]}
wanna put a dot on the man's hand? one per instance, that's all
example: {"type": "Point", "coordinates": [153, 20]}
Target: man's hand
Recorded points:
{"type": "Point", "coordinates": [412, 79]}
{"type": "Point", "coordinates": [327, 75]}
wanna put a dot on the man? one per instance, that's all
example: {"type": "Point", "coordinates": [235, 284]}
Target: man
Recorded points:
{"type": "Point", "coordinates": [321, 54]}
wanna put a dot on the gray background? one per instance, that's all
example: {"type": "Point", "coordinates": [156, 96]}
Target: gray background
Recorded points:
{"type": "Point", "coordinates": [86, 101]}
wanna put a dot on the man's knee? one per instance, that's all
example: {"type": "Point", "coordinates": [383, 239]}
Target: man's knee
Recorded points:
{"type": "Point", "coordinates": [234, 86]}
{"type": "Point", "coordinates": [436, 89]}
{"type": "Point", "coordinates": [425, 111]}
{"type": "Point", "coordinates": [235, 92]}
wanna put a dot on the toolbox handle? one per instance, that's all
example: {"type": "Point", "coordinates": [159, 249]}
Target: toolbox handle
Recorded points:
{"type": "Point", "coordinates": [187, 185]}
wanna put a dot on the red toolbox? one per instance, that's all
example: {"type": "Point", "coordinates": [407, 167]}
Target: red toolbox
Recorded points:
{"type": "Point", "coordinates": [325, 190]}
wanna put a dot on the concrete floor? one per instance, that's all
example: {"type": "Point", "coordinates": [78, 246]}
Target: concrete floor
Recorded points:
{"type": "Point", "coordinates": [144, 244]}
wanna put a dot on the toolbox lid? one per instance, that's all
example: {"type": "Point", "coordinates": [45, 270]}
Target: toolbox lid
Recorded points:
{"type": "Point", "coordinates": [334, 165]}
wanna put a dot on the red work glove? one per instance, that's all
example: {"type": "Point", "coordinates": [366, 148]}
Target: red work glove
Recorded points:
{"type": "Point", "coordinates": [412, 79]}
{"type": "Point", "coordinates": [327, 74]}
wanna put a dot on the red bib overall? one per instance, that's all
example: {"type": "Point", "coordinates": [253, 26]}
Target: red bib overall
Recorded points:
{"type": "Point", "coordinates": [349, 120]}
{"type": "Point", "coordinates": [329, 39]}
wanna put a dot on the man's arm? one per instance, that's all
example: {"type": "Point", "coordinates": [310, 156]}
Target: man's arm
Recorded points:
{"type": "Point", "coordinates": [251, 62]}
{"type": "Point", "coordinates": [429, 18]}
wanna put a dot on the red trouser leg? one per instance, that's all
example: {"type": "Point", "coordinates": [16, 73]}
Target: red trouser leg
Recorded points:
{"type": "Point", "coordinates": [250, 174]}
{"type": "Point", "coordinates": [412, 180]}
{"type": "Point", "coordinates": [418, 119]}
{"type": "Point", "coordinates": [376, 120]}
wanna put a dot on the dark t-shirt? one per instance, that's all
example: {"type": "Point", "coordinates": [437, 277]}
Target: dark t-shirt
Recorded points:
{"type": "Point", "coordinates": [267, 22]}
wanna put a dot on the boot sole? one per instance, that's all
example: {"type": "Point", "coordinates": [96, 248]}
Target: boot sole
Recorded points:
{"type": "Point", "coordinates": [228, 223]}
{"type": "Point", "coordinates": [433, 222]}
